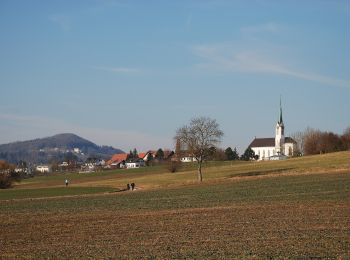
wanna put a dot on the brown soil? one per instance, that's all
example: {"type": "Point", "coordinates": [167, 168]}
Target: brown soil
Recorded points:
{"type": "Point", "coordinates": [246, 230]}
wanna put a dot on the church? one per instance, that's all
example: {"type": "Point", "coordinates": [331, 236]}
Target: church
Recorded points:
{"type": "Point", "coordinates": [279, 147]}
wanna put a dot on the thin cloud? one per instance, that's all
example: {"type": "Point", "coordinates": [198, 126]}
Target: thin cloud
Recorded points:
{"type": "Point", "coordinates": [221, 58]}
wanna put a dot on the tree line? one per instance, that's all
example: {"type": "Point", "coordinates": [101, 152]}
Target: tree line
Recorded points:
{"type": "Point", "coordinates": [229, 154]}
{"type": "Point", "coordinates": [314, 141]}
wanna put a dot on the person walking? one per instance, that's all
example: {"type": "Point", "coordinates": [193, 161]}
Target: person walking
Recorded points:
{"type": "Point", "coordinates": [66, 182]}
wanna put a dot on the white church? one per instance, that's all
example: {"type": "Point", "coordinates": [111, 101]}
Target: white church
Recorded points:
{"type": "Point", "coordinates": [276, 148]}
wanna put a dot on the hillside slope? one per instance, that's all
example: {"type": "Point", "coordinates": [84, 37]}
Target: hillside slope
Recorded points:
{"type": "Point", "coordinates": [54, 148]}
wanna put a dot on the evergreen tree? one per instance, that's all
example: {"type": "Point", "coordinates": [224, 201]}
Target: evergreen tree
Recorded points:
{"type": "Point", "coordinates": [160, 154]}
{"type": "Point", "coordinates": [229, 154]}
{"type": "Point", "coordinates": [134, 153]}
{"type": "Point", "coordinates": [248, 155]}
{"type": "Point", "coordinates": [235, 154]}
{"type": "Point", "coordinates": [131, 155]}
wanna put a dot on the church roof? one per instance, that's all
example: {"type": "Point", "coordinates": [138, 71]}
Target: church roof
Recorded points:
{"type": "Point", "coordinates": [268, 142]}
{"type": "Point", "coordinates": [263, 142]}
{"type": "Point", "coordinates": [289, 140]}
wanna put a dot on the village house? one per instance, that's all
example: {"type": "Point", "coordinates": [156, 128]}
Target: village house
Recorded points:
{"type": "Point", "coordinates": [145, 156]}
{"type": "Point", "coordinates": [187, 159]}
{"type": "Point", "coordinates": [117, 161]}
{"type": "Point", "coordinates": [135, 164]}
{"type": "Point", "coordinates": [63, 164]}
{"type": "Point", "coordinates": [43, 168]}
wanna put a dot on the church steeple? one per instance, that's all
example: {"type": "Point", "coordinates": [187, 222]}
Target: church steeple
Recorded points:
{"type": "Point", "coordinates": [281, 119]}
{"type": "Point", "coordinates": [279, 137]}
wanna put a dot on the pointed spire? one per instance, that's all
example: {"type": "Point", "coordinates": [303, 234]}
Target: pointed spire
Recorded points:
{"type": "Point", "coordinates": [281, 119]}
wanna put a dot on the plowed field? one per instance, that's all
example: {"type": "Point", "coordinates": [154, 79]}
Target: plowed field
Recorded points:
{"type": "Point", "coordinates": [281, 216]}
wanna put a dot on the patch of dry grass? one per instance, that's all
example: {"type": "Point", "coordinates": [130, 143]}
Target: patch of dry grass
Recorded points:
{"type": "Point", "coordinates": [156, 177]}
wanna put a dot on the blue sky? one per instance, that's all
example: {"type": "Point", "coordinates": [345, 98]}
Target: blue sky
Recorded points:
{"type": "Point", "coordinates": [129, 73]}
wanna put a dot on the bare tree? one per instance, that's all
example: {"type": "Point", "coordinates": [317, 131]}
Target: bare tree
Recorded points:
{"type": "Point", "coordinates": [330, 142]}
{"type": "Point", "coordinates": [199, 137]}
{"type": "Point", "coordinates": [346, 138]}
{"type": "Point", "coordinates": [299, 138]}
{"type": "Point", "coordinates": [312, 141]}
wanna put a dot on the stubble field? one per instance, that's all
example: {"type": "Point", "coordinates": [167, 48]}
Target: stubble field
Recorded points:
{"type": "Point", "coordinates": [299, 208]}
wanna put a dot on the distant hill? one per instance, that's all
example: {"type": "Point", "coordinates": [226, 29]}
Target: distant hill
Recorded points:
{"type": "Point", "coordinates": [54, 149]}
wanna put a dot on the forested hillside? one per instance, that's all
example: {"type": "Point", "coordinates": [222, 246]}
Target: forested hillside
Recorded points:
{"type": "Point", "coordinates": [55, 148]}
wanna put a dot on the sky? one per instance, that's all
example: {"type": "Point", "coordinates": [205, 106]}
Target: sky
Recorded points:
{"type": "Point", "coordinates": [129, 73]}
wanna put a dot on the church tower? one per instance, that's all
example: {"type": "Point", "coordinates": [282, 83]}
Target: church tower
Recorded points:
{"type": "Point", "coordinates": [279, 138]}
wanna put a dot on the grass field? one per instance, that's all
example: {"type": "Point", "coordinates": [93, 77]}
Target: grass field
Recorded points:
{"type": "Point", "coordinates": [298, 208]}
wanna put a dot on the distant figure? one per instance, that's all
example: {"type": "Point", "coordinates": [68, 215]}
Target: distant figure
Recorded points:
{"type": "Point", "coordinates": [66, 182]}
{"type": "Point", "coordinates": [128, 186]}
{"type": "Point", "coordinates": [132, 186]}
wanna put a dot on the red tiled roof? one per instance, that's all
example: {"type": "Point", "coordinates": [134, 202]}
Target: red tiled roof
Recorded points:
{"type": "Point", "coordinates": [142, 155]}
{"type": "Point", "coordinates": [118, 158]}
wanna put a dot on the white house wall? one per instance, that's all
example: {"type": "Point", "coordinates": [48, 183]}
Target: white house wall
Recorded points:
{"type": "Point", "coordinates": [186, 159]}
{"type": "Point", "coordinates": [43, 169]}
{"type": "Point", "coordinates": [135, 165]}
{"type": "Point", "coordinates": [289, 149]}
{"type": "Point", "coordinates": [264, 152]}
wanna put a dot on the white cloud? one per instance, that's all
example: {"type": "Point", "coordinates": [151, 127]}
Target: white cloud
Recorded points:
{"type": "Point", "coordinates": [18, 128]}
{"type": "Point", "coordinates": [225, 58]}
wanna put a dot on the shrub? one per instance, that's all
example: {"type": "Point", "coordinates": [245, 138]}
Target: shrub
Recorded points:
{"type": "Point", "coordinates": [5, 180]}
{"type": "Point", "coordinates": [173, 166]}
{"type": "Point", "coordinates": [7, 175]}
